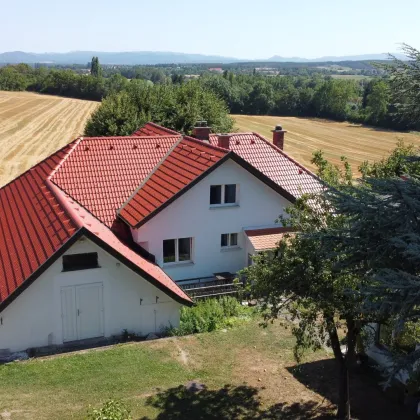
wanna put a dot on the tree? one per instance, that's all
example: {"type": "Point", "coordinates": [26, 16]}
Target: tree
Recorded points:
{"type": "Point", "coordinates": [300, 282]}
{"type": "Point", "coordinates": [401, 162]}
{"type": "Point", "coordinates": [95, 67]}
{"type": "Point", "coordinates": [404, 79]}
{"type": "Point", "coordinates": [174, 106]}
{"type": "Point", "coordinates": [117, 116]}
{"type": "Point", "coordinates": [377, 102]}
{"type": "Point", "coordinates": [379, 243]}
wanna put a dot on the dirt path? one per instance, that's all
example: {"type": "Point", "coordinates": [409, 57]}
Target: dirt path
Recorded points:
{"type": "Point", "coordinates": [33, 126]}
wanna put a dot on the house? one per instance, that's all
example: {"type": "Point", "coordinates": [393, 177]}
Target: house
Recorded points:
{"type": "Point", "coordinates": [98, 237]}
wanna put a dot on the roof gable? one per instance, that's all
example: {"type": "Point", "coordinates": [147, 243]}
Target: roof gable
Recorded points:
{"type": "Point", "coordinates": [274, 163]}
{"type": "Point", "coordinates": [102, 172]}
{"type": "Point", "coordinates": [39, 222]}
{"type": "Point", "coordinates": [185, 164]}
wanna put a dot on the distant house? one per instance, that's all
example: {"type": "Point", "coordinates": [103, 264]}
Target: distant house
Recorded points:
{"type": "Point", "coordinates": [99, 236]}
{"type": "Point", "coordinates": [216, 69]}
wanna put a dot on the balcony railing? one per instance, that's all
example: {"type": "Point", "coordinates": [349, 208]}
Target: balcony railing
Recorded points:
{"type": "Point", "coordinates": [218, 285]}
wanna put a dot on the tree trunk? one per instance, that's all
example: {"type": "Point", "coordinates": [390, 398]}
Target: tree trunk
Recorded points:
{"type": "Point", "coordinates": [343, 412]}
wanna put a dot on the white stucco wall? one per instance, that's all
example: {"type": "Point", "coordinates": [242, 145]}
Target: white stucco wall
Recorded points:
{"type": "Point", "coordinates": [33, 319]}
{"type": "Point", "coordinates": [191, 216]}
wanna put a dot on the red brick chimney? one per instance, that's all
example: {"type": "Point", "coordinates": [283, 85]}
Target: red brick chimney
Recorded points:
{"type": "Point", "coordinates": [201, 131]}
{"type": "Point", "coordinates": [223, 140]}
{"type": "Point", "coordinates": [278, 136]}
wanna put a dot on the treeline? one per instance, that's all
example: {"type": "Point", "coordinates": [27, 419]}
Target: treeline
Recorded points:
{"type": "Point", "coordinates": [378, 101]}
{"type": "Point", "coordinates": [67, 83]}
{"type": "Point", "coordinates": [363, 101]}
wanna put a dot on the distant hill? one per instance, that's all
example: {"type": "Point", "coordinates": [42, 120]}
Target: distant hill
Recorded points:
{"type": "Point", "coordinates": [156, 57]}
{"type": "Point", "coordinates": [128, 58]}
{"type": "Point", "coordinates": [363, 57]}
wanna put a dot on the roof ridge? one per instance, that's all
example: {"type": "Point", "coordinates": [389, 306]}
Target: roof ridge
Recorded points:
{"type": "Point", "coordinates": [282, 152]}
{"type": "Point", "coordinates": [55, 190]}
{"type": "Point", "coordinates": [130, 137]}
{"type": "Point", "coordinates": [59, 164]}
{"type": "Point", "coordinates": [212, 146]}
{"type": "Point", "coordinates": [161, 127]}
{"type": "Point", "coordinates": [149, 175]}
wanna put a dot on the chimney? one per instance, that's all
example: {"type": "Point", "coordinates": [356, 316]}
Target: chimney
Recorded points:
{"type": "Point", "coordinates": [201, 131]}
{"type": "Point", "coordinates": [223, 140]}
{"type": "Point", "coordinates": [278, 136]}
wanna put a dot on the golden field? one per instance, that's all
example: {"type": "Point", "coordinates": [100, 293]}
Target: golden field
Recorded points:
{"type": "Point", "coordinates": [33, 126]}
{"type": "Point", "coordinates": [305, 135]}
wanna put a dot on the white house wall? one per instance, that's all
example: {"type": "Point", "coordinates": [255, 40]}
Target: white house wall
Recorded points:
{"type": "Point", "coordinates": [191, 216]}
{"type": "Point", "coordinates": [33, 319]}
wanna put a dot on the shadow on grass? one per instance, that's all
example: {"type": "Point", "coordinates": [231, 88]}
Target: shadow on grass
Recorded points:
{"type": "Point", "coordinates": [368, 400]}
{"type": "Point", "coordinates": [228, 403]}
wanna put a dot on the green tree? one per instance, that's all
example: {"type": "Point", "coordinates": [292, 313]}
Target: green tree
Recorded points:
{"type": "Point", "coordinates": [379, 243]}
{"type": "Point", "coordinates": [377, 102]}
{"type": "Point", "coordinates": [300, 282]}
{"type": "Point", "coordinates": [117, 116]}
{"type": "Point", "coordinates": [401, 162]}
{"type": "Point", "coordinates": [95, 67]}
{"type": "Point", "coordinates": [404, 79]}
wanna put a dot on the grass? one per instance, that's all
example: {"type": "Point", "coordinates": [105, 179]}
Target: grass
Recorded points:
{"type": "Point", "coordinates": [306, 135]}
{"type": "Point", "coordinates": [247, 372]}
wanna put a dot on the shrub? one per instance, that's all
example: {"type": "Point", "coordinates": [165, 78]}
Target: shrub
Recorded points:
{"type": "Point", "coordinates": [111, 410]}
{"type": "Point", "coordinates": [210, 315]}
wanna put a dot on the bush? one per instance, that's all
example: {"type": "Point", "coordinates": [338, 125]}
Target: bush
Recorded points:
{"type": "Point", "coordinates": [111, 410]}
{"type": "Point", "coordinates": [210, 315]}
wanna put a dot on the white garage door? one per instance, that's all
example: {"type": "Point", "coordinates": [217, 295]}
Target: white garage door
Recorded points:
{"type": "Point", "coordinates": [82, 311]}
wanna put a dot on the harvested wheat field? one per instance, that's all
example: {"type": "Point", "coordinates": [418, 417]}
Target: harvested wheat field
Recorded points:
{"type": "Point", "coordinates": [33, 126]}
{"type": "Point", "coordinates": [305, 135]}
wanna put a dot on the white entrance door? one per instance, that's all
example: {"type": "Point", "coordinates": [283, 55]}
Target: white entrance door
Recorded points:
{"type": "Point", "coordinates": [82, 311]}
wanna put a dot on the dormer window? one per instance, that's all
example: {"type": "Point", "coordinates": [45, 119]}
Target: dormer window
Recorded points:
{"type": "Point", "coordinates": [222, 194]}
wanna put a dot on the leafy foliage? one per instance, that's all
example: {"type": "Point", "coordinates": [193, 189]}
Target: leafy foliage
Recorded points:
{"type": "Point", "coordinates": [399, 163]}
{"type": "Point", "coordinates": [174, 106]}
{"type": "Point", "coordinates": [210, 315]}
{"type": "Point", "coordinates": [111, 410]}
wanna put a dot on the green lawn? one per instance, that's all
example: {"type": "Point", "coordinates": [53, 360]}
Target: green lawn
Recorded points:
{"type": "Point", "coordinates": [247, 371]}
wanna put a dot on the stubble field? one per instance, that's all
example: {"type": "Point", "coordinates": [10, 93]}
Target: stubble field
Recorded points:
{"type": "Point", "coordinates": [33, 126]}
{"type": "Point", "coordinates": [305, 135]}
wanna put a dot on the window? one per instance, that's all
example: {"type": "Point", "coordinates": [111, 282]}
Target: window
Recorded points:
{"type": "Point", "coordinates": [223, 194]}
{"type": "Point", "coordinates": [84, 261]}
{"type": "Point", "coordinates": [229, 240]}
{"type": "Point", "coordinates": [177, 250]}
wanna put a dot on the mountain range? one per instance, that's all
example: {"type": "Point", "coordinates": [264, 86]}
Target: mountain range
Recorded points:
{"type": "Point", "coordinates": [156, 57]}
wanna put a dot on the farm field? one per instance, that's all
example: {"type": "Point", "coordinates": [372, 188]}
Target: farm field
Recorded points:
{"type": "Point", "coordinates": [33, 126]}
{"type": "Point", "coordinates": [305, 135]}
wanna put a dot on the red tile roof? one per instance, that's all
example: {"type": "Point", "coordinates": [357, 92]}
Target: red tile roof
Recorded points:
{"type": "Point", "coordinates": [102, 172]}
{"type": "Point", "coordinates": [273, 162]}
{"type": "Point", "coordinates": [181, 168]}
{"type": "Point", "coordinates": [266, 239]}
{"type": "Point", "coordinates": [38, 221]}
{"type": "Point", "coordinates": [33, 226]}
{"type": "Point", "coordinates": [79, 189]}
{"type": "Point", "coordinates": [152, 129]}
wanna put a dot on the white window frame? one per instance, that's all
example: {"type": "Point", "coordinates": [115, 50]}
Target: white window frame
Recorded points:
{"type": "Point", "coordinates": [177, 261]}
{"type": "Point", "coordinates": [222, 198]}
{"type": "Point", "coordinates": [229, 246]}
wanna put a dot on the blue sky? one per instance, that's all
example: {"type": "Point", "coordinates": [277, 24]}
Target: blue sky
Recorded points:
{"type": "Point", "coordinates": [243, 29]}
